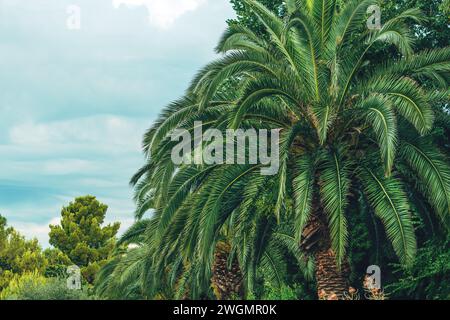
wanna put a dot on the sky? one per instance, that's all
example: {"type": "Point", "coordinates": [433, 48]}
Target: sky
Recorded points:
{"type": "Point", "coordinates": [80, 81]}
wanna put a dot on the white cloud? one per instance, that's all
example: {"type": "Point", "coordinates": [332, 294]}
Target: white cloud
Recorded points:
{"type": "Point", "coordinates": [104, 132]}
{"type": "Point", "coordinates": [162, 13]}
{"type": "Point", "coordinates": [104, 150]}
{"type": "Point", "coordinates": [67, 166]}
{"type": "Point", "coordinates": [36, 230]}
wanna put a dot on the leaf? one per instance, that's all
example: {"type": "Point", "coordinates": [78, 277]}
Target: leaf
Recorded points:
{"type": "Point", "coordinates": [303, 193]}
{"type": "Point", "coordinates": [334, 189]}
{"type": "Point", "coordinates": [391, 205]}
{"type": "Point", "coordinates": [381, 118]}
{"type": "Point", "coordinates": [434, 171]}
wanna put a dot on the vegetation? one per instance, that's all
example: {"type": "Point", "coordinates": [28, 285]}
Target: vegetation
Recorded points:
{"type": "Point", "coordinates": [81, 237]}
{"type": "Point", "coordinates": [17, 255]}
{"type": "Point", "coordinates": [29, 273]}
{"type": "Point", "coordinates": [34, 286]}
{"type": "Point", "coordinates": [429, 276]}
{"type": "Point", "coordinates": [364, 175]}
{"type": "Point", "coordinates": [362, 114]}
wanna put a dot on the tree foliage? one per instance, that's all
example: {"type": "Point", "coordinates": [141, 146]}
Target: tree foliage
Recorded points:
{"type": "Point", "coordinates": [27, 272]}
{"type": "Point", "coordinates": [81, 235]}
{"type": "Point", "coordinates": [18, 255]}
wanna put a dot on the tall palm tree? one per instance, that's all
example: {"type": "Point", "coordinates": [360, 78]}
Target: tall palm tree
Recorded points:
{"type": "Point", "coordinates": [348, 125]}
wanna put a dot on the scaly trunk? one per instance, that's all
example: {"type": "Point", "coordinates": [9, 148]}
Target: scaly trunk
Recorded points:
{"type": "Point", "coordinates": [331, 280]}
{"type": "Point", "coordinates": [226, 282]}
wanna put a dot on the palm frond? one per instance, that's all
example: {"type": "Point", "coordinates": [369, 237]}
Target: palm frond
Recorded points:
{"type": "Point", "coordinates": [387, 198]}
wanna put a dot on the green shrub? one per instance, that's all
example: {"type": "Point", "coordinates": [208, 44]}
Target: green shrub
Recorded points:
{"type": "Point", "coordinates": [20, 283]}
{"type": "Point", "coordinates": [429, 276]}
{"type": "Point", "coordinates": [33, 286]}
{"type": "Point", "coordinates": [54, 289]}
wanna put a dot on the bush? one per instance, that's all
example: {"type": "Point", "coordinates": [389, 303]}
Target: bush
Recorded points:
{"type": "Point", "coordinates": [33, 286]}
{"type": "Point", "coordinates": [20, 283]}
{"type": "Point", "coordinates": [54, 289]}
{"type": "Point", "coordinates": [429, 276]}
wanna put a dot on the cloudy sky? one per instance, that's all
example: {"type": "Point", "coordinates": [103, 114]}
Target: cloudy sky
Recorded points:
{"type": "Point", "coordinates": [74, 103]}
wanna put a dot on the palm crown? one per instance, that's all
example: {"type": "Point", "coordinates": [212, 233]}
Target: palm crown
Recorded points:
{"type": "Point", "coordinates": [349, 126]}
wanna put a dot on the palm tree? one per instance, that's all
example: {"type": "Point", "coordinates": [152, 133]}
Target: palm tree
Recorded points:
{"type": "Point", "coordinates": [348, 125]}
{"type": "Point", "coordinates": [121, 277]}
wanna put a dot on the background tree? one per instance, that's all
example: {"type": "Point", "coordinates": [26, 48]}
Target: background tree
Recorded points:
{"type": "Point", "coordinates": [246, 17]}
{"type": "Point", "coordinates": [57, 262]}
{"type": "Point", "coordinates": [433, 34]}
{"type": "Point", "coordinates": [18, 255]}
{"type": "Point", "coordinates": [81, 236]}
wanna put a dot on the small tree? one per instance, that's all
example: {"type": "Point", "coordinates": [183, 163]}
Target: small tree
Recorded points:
{"type": "Point", "coordinates": [17, 254]}
{"type": "Point", "coordinates": [81, 236]}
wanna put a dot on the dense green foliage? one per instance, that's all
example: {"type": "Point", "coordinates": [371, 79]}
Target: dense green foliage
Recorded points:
{"type": "Point", "coordinates": [366, 245]}
{"type": "Point", "coordinates": [435, 33]}
{"type": "Point", "coordinates": [34, 286]}
{"type": "Point", "coordinates": [429, 277]}
{"type": "Point", "coordinates": [29, 273]}
{"type": "Point", "coordinates": [81, 236]}
{"type": "Point", "coordinates": [246, 17]}
{"type": "Point", "coordinates": [18, 255]}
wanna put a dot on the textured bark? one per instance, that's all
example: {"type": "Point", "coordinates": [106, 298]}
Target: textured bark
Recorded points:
{"type": "Point", "coordinates": [226, 282]}
{"type": "Point", "coordinates": [331, 280]}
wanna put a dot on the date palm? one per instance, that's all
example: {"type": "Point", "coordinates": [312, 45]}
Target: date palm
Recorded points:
{"type": "Point", "coordinates": [121, 277]}
{"type": "Point", "coordinates": [348, 125]}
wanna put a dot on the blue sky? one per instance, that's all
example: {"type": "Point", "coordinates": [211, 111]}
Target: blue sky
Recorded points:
{"type": "Point", "coordinates": [75, 103]}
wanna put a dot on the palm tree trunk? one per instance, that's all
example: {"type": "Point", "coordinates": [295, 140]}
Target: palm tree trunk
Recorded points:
{"type": "Point", "coordinates": [226, 282]}
{"type": "Point", "coordinates": [331, 280]}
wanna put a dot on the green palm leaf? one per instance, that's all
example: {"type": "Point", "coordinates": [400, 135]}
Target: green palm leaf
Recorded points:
{"type": "Point", "coordinates": [303, 193]}
{"type": "Point", "coordinates": [433, 169]}
{"type": "Point", "coordinates": [391, 205]}
{"type": "Point", "coordinates": [381, 118]}
{"type": "Point", "coordinates": [335, 184]}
